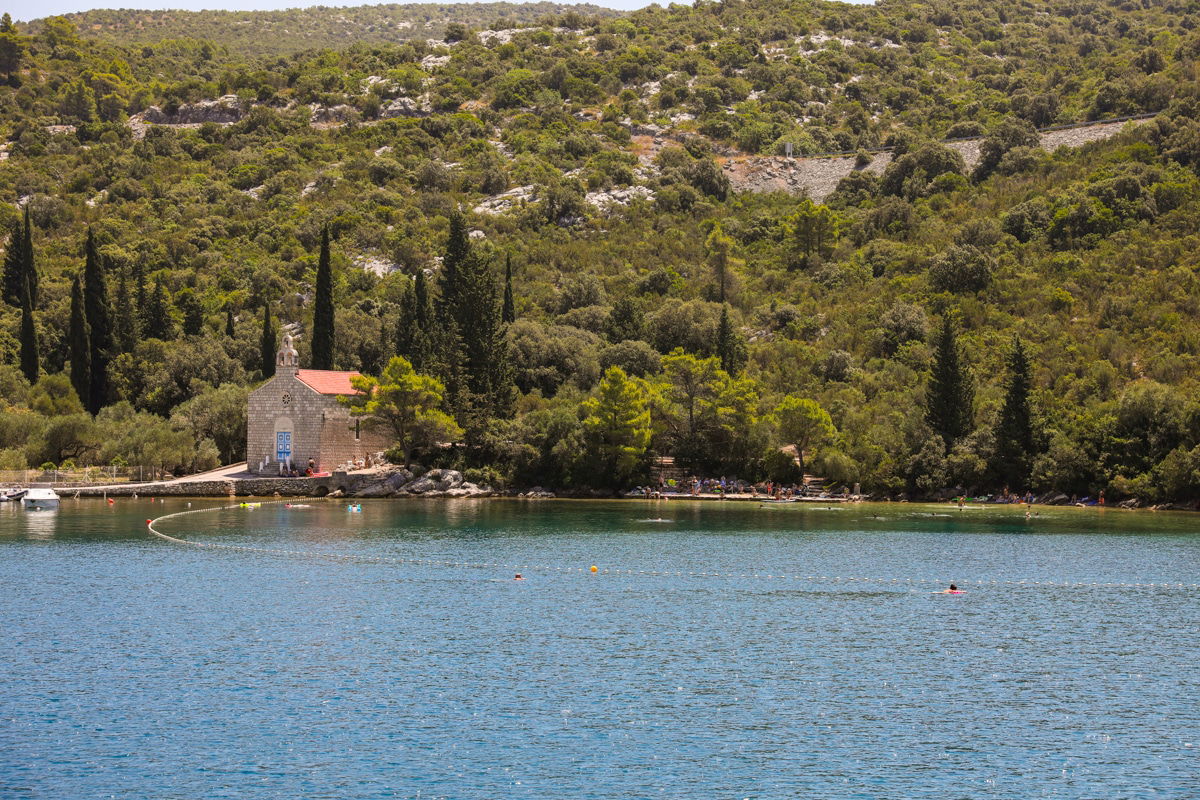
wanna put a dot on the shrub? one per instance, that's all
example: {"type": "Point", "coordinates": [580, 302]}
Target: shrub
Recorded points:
{"type": "Point", "coordinates": [961, 270]}
{"type": "Point", "coordinates": [634, 356]}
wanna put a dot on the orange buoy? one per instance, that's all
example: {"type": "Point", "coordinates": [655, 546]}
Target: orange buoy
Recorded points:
{"type": "Point", "coordinates": [149, 522]}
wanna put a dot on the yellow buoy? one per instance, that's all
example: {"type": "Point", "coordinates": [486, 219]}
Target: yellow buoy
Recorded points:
{"type": "Point", "coordinates": [595, 568]}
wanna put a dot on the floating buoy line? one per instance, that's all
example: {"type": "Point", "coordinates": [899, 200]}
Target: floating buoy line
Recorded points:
{"type": "Point", "coordinates": [593, 569]}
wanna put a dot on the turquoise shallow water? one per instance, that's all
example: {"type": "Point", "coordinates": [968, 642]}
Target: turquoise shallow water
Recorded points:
{"type": "Point", "coordinates": [134, 668]}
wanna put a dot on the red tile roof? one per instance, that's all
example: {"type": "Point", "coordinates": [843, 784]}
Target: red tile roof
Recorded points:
{"type": "Point", "coordinates": [327, 381]}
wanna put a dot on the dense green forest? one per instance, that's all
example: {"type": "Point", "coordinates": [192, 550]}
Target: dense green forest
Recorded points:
{"type": "Point", "coordinates": [587, 295]}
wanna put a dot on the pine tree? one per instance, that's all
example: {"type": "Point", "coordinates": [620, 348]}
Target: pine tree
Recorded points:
{"type": "Point", "coordinates": [157, 321]}
{"type": "Point", "coordinates": [29, 347]}
{"type": "Point", "coordinates": [1014, 429]}
{"type": "Point", "coordinates": [323, 333]}
{"type": "Point", "coordinates": [508, 314]}
{"type": "Point", "coordinates": [951, 395]}
{"type": "Point", "coordinates": [96, 310]}
{"type": "Point", "coordinates": [730, 348]}
{"type": "Point", "coordinates": [14, 267]}
{"type": "Point", "coordinates": [230, 332]}
{"type": "Point", "coordinates": [126, 323]}
{"type": "Point", "coordinates": [617, 427]}
{"type": "Point", "coordinates": [27, 264]}
{"type": "Point", "coordinates": [80, 345]}
{"type": "Point", "coordinates": [268, 345]}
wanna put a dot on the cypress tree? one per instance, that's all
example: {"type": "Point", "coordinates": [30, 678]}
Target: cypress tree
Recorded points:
{"type": "Point", "coordinates": [126, 323]}
{"type": "Point", "coordinates": [1014, 429]}
{"type": "Point", "coordinates": [730, 349]}
{"type": "Point", "coordinates": [27, 260]}
{"type": "Point", "coordinates": [191, 310]}
{"type": "Point", "coordinates": [80, 345]}
{"type": "Point", "coordinates": [229, 331]}
{"type": "Point", "coordinates": [139, 283]}
{"type": "Point", "coordinates": [96, 310]}
{"type": "Point", "coordinates": [475, 319]}
{"type": "Point", "coordinates": [446, 350]}
{"type": "Point", "coordinates": [406, 324]}
{"type": "Point", "coordinates": [424, 311]}
{"type": "Point", "coordinates": [14, 267]}
{"type": "Point", "coordinates": [484, 347]}
{"type": "Point", "coordinates": [322, 341]}
{"type": "Point", "coordinates": [423, 334]}
{"type": "Point", "coordinates": [951, 396]}
{"type": "Point", "coordinates": [29, 348]}
{"type": "Point", "coordinates": [508, 314]}
{"type": "Point", "coordinates": [267, 345]}
{"type": "Point", "coordinates": [458, 247]}
{"type": "Point", "coordinates": [157, 320]}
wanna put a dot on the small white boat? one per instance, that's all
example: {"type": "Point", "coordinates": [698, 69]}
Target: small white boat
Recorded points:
{"type": "Point", "coordinates": [39, 499]}
{"type": "Point", "coordinates": [12, 494]}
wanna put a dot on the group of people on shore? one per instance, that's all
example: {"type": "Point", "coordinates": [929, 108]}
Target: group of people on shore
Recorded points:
{"type": "Point", "coordinates": [722, 487]}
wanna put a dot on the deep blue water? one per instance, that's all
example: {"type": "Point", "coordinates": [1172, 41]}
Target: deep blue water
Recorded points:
{"type": "Point", "coordinates": [134, 668]}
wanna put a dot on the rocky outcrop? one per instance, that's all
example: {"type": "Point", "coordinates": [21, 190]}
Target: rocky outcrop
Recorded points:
{"type": "Point", "coordinates": [814, 177]}
{"type": "Point", "coordinates": [387, 486]}
{"type": "Point", "coordinates": [818, 176]}
{"type": "Point", "coordinates": [406, 107]}
{"type": "Point", "coordinates": [332, 115]}
{"type": "Point", "coordinates": [435, 483]}
{"type": "Point", "coordinates": [224, 109]}
{"type": "Point", "coordinates": [618, 197]}
{"type": "Point", "coordinates": [506, 201]}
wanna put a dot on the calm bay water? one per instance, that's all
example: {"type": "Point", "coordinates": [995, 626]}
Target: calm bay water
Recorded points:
{"type": "Point", "coordinates": [134, 668]}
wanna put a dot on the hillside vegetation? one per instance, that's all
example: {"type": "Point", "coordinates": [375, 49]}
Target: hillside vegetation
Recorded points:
{"type": "Point", "coordinates": [1028, 323]}
{"type": "Point", "coordinates": [274, 33]}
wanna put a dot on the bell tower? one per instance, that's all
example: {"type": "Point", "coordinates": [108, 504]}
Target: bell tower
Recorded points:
{"type": "Point", "coordinates": [288, 360]}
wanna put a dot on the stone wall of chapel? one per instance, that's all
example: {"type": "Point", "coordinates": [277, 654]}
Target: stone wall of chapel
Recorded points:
{"type": "Point", "coordinates": [338, 444]}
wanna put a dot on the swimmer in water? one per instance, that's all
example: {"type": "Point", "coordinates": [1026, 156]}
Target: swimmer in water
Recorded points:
{"type": "Point", "coordinates": [954, 590]}
{"type": "Point", "coordinates": [518, 577]}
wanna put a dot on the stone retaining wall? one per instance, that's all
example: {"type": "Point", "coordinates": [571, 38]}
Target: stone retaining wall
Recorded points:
{"type": "Point", "coordinates": [233, 487]}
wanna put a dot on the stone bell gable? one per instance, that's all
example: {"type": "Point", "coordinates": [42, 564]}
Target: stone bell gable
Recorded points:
{"type": "Point", "coordinates": [295, 418]}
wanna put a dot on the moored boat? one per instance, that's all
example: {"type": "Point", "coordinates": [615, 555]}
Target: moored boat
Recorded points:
{"type": "Point", "coordinates": [40, 499]}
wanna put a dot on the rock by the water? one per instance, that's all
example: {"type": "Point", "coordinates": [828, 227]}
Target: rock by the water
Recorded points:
{"type": "Point", "coordinates": [436, 480]}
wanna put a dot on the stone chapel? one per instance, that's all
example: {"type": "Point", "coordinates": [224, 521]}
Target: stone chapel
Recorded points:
{"type": "Point", "coordinates": [295, 417]}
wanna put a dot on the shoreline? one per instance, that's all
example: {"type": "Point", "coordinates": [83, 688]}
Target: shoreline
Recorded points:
{"type": "Point", "coordinates": [233, 482]}
{"type": "Point", "coordinates": [149, 493]}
